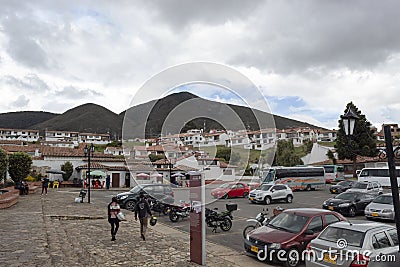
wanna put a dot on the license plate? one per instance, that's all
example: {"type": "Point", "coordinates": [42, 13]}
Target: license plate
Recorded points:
{"type": "Point", "coordinates": [251, 198]}
{"type": "Point", "coordinates": [330, 208]}
{"type": "Point", "coordinates": [329, 258]}
{"type": "Point", "coordinates": [254, 249]}
{"type": "Point", "coordinates": [374, 214]}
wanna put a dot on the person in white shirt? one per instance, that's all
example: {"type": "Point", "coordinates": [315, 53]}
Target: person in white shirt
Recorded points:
{"type": "Point", "coordinates": [113, 210]}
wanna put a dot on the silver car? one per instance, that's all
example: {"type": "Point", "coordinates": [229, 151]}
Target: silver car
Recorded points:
{"type": "Point", "coordinates": [357, 243]}
{"type": "Point", "coordinates": [380, 208]}
{"type": "Point", "coordinates": [372, 188]}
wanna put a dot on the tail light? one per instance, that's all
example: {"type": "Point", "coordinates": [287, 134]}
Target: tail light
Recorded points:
{"type": "Point", "coordinates": [336, 175]}
{"type": "Point", "coordinates": [360, 261]}
{"type": "Point", "coordinates": [172, 193]}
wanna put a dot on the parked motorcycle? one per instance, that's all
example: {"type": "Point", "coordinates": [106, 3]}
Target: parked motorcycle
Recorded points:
{"type": "Point", "coordinates": [261, 219]}
{"type": "Point", "coordinates": [176, 212]}
{"type": "Point", "coordinates": [159, 206]}
{"type": "Point", "coordinates": [223, 220]}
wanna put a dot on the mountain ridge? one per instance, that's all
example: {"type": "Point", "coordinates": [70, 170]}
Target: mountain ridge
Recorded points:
{"type": "Point", "coordinates": [93, 118]}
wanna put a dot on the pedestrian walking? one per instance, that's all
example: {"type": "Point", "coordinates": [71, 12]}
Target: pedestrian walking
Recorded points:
{"type": "Point", "coordinates": [142, 209]}
{"type": "Point", "coordinates": [113, 210]}
{"type": "Point", "coordinates": [45, 184]}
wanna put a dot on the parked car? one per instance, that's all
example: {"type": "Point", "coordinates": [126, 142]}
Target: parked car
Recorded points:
{"type": "Point", "coordinates": [341, 187]}
{"type": "Point", "coordinates": [291, 230]}
{"type": "Point", "coordinates": [349, 203]}
{"type": "Point", "coordinates": [380, 208]}
{"type": "Point", "coordinates": [233, 189]}
{"type": "Point", "coordinates": [161, 192]}
{"type": "Point", "coordinates": [367, 187]}
{"type": "Point", "coordinates": [358, 243]}
{"type": "Point", "coordinates": [266, 193]}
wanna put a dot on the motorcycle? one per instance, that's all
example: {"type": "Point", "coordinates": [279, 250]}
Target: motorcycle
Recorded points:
{"type": "Point", "coordinates": [260, 220]}
{"type": "Point", "coordinates": [159, 206]}
{"type": "Point", "coordinates": [223, 220]}
{"type": "Point", "coordinates": [176, 212]}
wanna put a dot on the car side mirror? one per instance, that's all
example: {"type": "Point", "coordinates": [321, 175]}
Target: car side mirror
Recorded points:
{"type": "Point", "coordinates": [272, 190]}
{"type": "Point", "coordinates": [308, 232]}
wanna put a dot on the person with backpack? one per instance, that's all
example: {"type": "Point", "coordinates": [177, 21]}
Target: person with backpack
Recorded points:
{"type": "Point", "coordinates": [142, 209]}
{"type": "Point", "coordinates": [113, 209]}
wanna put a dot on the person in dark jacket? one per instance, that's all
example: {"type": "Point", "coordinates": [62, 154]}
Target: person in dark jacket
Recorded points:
{"type": "Point", "coordinates": [142, 209]}
{"type": "Point", "coordinates": [113, 209]}
{"type": "Point", "coordinates": [45, 184]}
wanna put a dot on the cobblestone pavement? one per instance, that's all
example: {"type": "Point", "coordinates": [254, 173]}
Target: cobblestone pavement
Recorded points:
{"type": "Point", "coordinates": [53, 230]}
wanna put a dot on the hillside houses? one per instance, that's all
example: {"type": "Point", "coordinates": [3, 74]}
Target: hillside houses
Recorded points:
{"type": "Point", "coordinates": [19, 135]}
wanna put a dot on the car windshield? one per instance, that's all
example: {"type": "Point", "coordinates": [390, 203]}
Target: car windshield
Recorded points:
{"type": "Point", "coordinates": [335, 234]}
{"type": "Point", "coordinates": [224, 186]}
{"type": "Point", "coordinates": [343, 183]}
{"type": "Point", "coordinates": [360, 185]}
{"type": "Point", "coordinates": [136, 189]}
{"type": "Point", "coordinates": [346, 196]}
{"type": "Point", "coordinates": [383, 200]}
{"type": "Point", "coordinates": [289, 222]}
{"type": "Point", "coordinates": [265, 187]}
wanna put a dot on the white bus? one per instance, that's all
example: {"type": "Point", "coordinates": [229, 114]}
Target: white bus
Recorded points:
{"type": "Point", "coordinates": [379, 175]}
{"type": "Point", "coordinates": [297, 178]}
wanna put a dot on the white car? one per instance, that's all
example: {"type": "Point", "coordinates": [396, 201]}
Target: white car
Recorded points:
{"type": "Point", "coordinates": [266, 193]}
{"type": "Point", "coordinates": [372, 188]}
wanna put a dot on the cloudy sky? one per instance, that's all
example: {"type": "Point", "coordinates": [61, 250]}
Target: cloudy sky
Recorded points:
{"type": "Point", "coordinates": [308, 58]}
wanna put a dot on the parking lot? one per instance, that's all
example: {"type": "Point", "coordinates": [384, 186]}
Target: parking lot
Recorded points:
{"type": "Point", "coordinates": [246, 210]}
{"type": "Point", "coordinates": [233, 238]}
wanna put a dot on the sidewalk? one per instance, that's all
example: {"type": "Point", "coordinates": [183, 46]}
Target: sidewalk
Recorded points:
{"type": "Point", "coordinates": [52, 230]}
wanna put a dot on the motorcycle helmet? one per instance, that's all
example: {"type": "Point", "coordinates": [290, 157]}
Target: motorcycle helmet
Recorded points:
{"type": "Point", "coordinates": [153, 220]}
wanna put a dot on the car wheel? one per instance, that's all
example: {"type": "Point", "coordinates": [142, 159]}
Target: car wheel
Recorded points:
{"type": "Point", "coordinates": [289, 199]}
{"type": "Point", "coordinates": [130, 205]}
{"type": "Point", "coordinates": [308, 188]}
{"type": "Point", "coordinates": [293, 258]}
{"type": "Point", "coordinates": [267, 200]}
{"type": "Point", "coordinates": [352, 211]}
{"type": "Point", "coordinates": [245, 194]}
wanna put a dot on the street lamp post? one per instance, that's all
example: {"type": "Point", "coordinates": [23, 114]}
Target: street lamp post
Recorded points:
{"type": "Point", "coordinates": [393, 177]}
{"type": "Point", "coordinates": [89, 150]}
{"type": "Point", "coordinates": [349, 121]}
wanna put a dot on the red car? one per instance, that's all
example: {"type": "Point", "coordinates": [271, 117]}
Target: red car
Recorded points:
{"type": "Point", "coordinates": [288, 233]}
{"type": "Point", "coordinates": [233, 189]}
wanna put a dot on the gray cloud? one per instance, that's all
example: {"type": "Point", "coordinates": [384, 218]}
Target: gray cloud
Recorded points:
{"type": "Point", "coordinates": [295, 36]}
{"type": "Point", "coordinates": [179, 14]}
{"type": "Point", "coordinates": [30, 82]}
{"type": "Point", "coordinates": [72, 92]}
{"type": "Point", "coordinates": [21, 102]}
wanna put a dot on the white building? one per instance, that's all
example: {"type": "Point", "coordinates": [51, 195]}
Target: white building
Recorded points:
{"type": "Point", "coordinates": [19, 135]}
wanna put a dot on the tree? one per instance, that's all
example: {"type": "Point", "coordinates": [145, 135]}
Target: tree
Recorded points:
{"type": "Point", "coordinates": [285, 154]}
{"type": "Point", "coordinates": [154, 157]}
{"type": "Point", "coordinates": [331, 157]}
{"type": "Point", "coordinates": [362, 142]}
{"type": "Point", "coordinates": [3, 165]}
{"type": "Point", "coordinates": [227, 155]}
{"type": "Point", "coordinates": [19, 166]}
{"type": "Point", "coordinates": [68, 169]}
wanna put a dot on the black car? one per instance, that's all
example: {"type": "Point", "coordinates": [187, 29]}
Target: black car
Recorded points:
{"type": "Point", "coordinates": [349, 203]}
{"type": "Point", "coordinates": [161, 192]}
{"type": "Point", "coordinates": [341, 187]}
